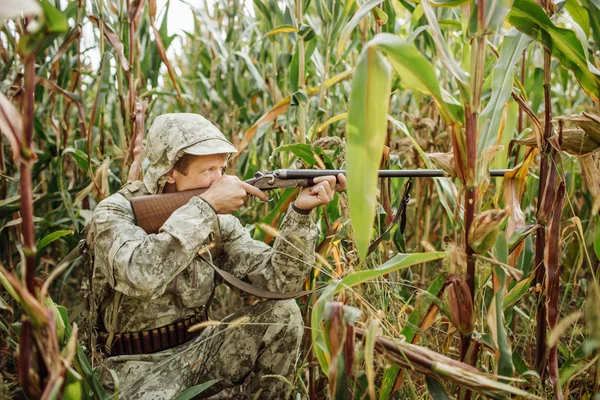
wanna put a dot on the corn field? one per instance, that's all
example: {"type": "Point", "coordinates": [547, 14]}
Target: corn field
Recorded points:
{"type": "Point", "coordinates": [460, 287]}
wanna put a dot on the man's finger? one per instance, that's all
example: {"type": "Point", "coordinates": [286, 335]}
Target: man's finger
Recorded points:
{"type": "Point", "coordinates": [341, 182]}
{"type": "Point", "coordinates": [315, 189]}
{"type": "Point", "coordinates": [330, 179]}
{"type": "Point", "coordinates": [255, 191]}
{"type": "Point", "coordinates": [322, 192]}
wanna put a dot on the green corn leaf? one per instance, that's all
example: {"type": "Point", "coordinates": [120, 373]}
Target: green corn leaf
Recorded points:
{"type": "Point", "coordinates": [253, 71]}
{"type": "Point", "coordinates": [362, 12]}
{"type": "Point", "coordinates": [579, 14]}
{"type": "Point", "coordinates": [436, 389]}
{"type": "Point", "coordinates": [593, 14]}
{"type": "Point", "coordinates": [301, 150]}
{"type": "Point", "coordinates": [52, 237]}
{"type": "Point", "coordinates": [264, 11]}
{"type": "Point", "coordinates": [448, 3]}
{"type": "Point", "coordinates": [192, 392]}
{"type": "Point", "coordinates": [417, 73]}
{"type": "Point", "coordinates": [502, 85]}
{"type": "Point", "coordinates": [496, 321]}
{"type": "Point", "coordinates": [441, 46]}
{"type": "Point", "coordinates": [519, 235]}
{"type": "Point", "coordinates": [284, 199]}
{"type": "Point", "coordinates": [55, 20]}
{"type": "Point", "coordinates": [397, 263]}
{"type": "Point", "coordinates": [597, 238]}
{"type": "Point", "coordinates": [79, 156]}
{"type": "Point", "coordinates": [495, 11]}
{"type": "Point", "coordinates": [517, 293]}
{"type": "Point", "coordinates": [366, 128]}
{"type": "Point", "coordinates": [366, 132]}
{"type": "Point", "coordinates": [530, 18]}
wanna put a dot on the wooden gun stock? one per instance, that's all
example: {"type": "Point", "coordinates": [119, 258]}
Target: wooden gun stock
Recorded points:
{"type": "Point", "coordinates": [152, 211]}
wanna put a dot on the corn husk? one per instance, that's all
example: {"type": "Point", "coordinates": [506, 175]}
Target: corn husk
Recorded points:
{"type": "Point", "coordinates": [574, 141]}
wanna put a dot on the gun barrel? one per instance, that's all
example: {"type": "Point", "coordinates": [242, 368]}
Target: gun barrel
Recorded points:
{"type": "Point", "coordinates": [383, 173]}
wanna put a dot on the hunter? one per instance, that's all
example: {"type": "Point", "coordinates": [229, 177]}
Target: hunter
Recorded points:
{"type": "Point", "coordinates": [147, 289]}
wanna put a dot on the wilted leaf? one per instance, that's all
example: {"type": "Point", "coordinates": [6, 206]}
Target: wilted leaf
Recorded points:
{"type": "Point", "coordinates": [162, 52]}
{"type": "Point", "coordinates": [113, 39]}
{"type": "Point", "coordinates": [336, 335]}
{"type": "Point", "coordinates": [11, 125]}
{"type": "Point", "coordinates": [591, 172]}
{"type": "Point", "coordinates": [551, 262]}
{"type": "Point", "coordinates": [282, 29]}
{"type": "Point", "coordinates": [137, 141]}
{"type": "Point", "coordinates": [71, 37]}
{"type": "Point", "coordinates": [281, 107]}
{"type": "Point", "coordinates": [369, 356]}
{"type": "Point", "coordinates": [513, 187]}
{"type": "Point", "coordinates": [590, 123]}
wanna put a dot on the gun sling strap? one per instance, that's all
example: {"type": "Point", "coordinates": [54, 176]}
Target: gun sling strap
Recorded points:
{"type": "Point", "coordinates": [137, 188]}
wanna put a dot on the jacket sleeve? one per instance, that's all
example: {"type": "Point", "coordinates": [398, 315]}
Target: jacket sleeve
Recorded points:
{"type": "Point", "coordinates": [141, 265]}
{"type": "Point", "coordinates": [282, 268]}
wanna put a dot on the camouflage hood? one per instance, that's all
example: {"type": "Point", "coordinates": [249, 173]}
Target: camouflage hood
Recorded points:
{"type": "Point", "coordinates": [172, 135]}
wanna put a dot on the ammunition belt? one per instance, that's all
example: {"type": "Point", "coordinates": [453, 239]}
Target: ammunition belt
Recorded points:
{"type": "Point", "coordinates": [152, 340]}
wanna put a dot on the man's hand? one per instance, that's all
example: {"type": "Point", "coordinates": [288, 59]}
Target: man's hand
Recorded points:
{"type": "Point", "coordinates": [228, 193]}
{"type": "Point", "coordinates": [321, 193]}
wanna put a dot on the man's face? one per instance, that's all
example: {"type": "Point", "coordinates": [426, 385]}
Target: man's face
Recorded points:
{"type": "Point", "coordinates": [201, 173]}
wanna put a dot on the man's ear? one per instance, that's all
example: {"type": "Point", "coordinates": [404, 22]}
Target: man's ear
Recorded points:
{"type": "Point", "coordinates": [171, 176]}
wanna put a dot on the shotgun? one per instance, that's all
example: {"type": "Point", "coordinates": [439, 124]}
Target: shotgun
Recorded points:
{"type": "Point", "coordinates": [152, 211]}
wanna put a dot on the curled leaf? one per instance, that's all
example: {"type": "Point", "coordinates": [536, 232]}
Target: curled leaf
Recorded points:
{"type": "Point", "coordinates": [113, 39]}
{"type": "Point", "coordinates": [485, 230]}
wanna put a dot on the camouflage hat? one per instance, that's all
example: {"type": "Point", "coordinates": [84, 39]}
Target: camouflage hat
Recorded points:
{"type": "Point", "coordinates": [172, 135]}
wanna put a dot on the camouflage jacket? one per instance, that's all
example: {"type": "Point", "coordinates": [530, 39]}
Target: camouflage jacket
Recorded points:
{"type": "Point", "coordinates": [159, 275]}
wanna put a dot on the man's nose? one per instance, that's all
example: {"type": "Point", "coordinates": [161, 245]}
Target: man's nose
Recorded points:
{"type": "Point", "coordinates": [216, 175]}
